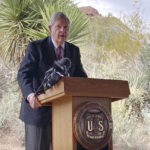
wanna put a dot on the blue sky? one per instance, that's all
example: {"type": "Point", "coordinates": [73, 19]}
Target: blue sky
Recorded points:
{"type": "Point", "coordinates": [117, 7]}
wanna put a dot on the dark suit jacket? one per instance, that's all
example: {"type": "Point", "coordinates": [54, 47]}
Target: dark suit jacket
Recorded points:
{"type": "Point", "coordinates": [40, 56]}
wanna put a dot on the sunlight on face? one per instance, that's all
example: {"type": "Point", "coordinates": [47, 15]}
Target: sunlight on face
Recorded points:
{"type": "Point", "coordinates": [59, 31]}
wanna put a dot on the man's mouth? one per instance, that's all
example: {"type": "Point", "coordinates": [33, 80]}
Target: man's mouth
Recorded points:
{"type": "Point", "coordinates": [62, 36]}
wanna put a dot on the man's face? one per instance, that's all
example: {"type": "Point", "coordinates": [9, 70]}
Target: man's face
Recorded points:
{"type": "Point", "coordinates": [59, 31]}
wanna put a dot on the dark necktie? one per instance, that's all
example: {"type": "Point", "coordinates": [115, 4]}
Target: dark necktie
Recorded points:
{"type": "Point", "coordinates": [58, 52]}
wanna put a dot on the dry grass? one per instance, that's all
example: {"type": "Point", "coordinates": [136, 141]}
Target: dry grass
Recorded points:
{"type": "Point", "coordinates": [10, 140]}
{"type": "Point", "coordinates": [130, 132]}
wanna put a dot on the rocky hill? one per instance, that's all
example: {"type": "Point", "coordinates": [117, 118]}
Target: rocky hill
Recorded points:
{"type": "Point", "coordinates": [90, 11]}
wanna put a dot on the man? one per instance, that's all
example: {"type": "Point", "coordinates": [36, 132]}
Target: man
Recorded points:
{"type": "Point", "coordinates": [39, 57]}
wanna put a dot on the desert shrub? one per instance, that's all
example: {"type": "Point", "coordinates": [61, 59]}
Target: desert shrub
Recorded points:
{"type": "Point", "coordinates": [10, 104]}
{"type": "Point", "coordinates": [131, 115]}
{"type": "Point", "coordinates": [130, 133]}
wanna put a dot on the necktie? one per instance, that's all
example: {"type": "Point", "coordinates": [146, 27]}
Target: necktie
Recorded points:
{"type": "Point", "coordinates": [59, 52]}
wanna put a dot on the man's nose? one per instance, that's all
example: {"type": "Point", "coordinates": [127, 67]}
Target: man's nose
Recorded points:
{"type": "Point", "coordinates": [62, 29]}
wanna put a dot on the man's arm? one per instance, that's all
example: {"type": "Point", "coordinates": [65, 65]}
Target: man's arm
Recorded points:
{"type": "Point", "coordinates": [25, 75]}
{"type": "Point", "coordinates": [79, 72]}
{"type": "Point", "coordinates": [27, 69]}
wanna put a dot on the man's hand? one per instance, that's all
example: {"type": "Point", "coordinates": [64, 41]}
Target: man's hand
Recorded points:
{"type": "Point", "coordinates": [33, 101]}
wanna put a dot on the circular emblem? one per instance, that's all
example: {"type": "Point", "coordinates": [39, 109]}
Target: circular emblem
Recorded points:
{"type": "Point", "coordinates": [92, 125]}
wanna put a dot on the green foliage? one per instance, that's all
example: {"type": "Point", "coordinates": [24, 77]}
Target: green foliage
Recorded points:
{"type": "Point", "coordinates": [144, 58]}
{"type": "Point", "coordinates": [15, 17]}
{"type": "Point", "coordinates": [111, 34]}
{"type": "Point", "coordinates": [131, 115]}
{"type": "Point", "coordinates": [24, 20]}
{"type": "Point", "coordinates": [115, 52]}
{"type": "Point", "coordinates": [112, 65]}
{"type": "Point", "coordinates": [78, 21]}
{"type": "Point", "coordinates": [118, 51]}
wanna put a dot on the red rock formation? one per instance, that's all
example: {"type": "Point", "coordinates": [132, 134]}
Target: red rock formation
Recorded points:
{"type": "Point", "coordinates": [90, 11]}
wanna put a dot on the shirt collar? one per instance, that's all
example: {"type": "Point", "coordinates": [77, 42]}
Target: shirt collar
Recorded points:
{"type": "Point", "coordinates": [56, 46]}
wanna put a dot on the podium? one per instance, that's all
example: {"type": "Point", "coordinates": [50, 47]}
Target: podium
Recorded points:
{"type": "Point", "coordinates": [81, 111]}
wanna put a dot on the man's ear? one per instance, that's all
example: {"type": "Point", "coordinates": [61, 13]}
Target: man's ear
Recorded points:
{"type": "Point", "coordinates": [50, 28]}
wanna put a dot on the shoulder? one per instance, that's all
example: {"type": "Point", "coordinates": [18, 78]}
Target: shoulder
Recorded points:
{"type": "Point", "coordinates": [40, 42]}
{"type": "Point", "coordinates": [37, 46]}
{"type": "Point", "coordinates": [34, 47]}
{"type": "Point", "coordinates": [72, 45]}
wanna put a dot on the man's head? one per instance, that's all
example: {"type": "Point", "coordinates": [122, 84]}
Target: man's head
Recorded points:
{"type": "Point", "coordinates": [59, 27]}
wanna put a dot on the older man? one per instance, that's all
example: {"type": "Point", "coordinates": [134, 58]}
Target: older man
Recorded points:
{"type": "Point", "coordinates": [39, 57]}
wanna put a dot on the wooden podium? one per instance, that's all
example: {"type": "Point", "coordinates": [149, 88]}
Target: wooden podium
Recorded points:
{"type": "Point", "coordinates": [72, 92]}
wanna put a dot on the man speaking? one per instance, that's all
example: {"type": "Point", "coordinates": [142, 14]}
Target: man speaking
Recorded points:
{"type": "Point", "coordinates": [39, 57]}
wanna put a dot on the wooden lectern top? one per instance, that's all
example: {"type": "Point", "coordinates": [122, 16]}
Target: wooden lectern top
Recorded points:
{"type": "Point", "coordinates": [86, 87]}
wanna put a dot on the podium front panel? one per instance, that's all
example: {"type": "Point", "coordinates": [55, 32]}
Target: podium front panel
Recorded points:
{"type": "Point", "coordinates": [92, 122]}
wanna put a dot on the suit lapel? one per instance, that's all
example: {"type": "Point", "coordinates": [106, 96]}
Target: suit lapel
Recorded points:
{"type": "Point", "coordinates": [51, 50]}
{"type": "Point", "coordinates": [67, 53]}
{"type": "Point", "coordinates": [67, 50]}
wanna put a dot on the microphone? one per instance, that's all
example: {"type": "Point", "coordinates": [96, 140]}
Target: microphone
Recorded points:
{"type": "Point", "coordinates": [54, 74]}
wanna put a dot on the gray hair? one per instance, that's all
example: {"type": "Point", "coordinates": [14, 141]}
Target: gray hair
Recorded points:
{"type": "Point", "coordinates": [58, 15]}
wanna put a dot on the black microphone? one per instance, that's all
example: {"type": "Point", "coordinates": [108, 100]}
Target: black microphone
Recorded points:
{"type": "Point", "coordinates": [54, 74]}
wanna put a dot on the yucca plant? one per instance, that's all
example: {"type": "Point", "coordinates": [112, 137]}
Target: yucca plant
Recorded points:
{"type": "Point", "coordinates": [24, 20]}
{"type": "Point", "coordinates": [15, 17]}
{"type": "Point", "coordinates": [78, 20]}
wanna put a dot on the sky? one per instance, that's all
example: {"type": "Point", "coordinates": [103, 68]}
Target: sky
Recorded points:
{"type": "Point", "coordinates": [118, 7]}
